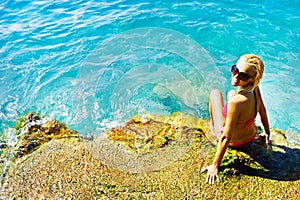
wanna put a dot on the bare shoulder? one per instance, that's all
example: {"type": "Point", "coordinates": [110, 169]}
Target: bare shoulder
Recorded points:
{"type": "Point", "coordinates": [238, 99]}
{"type": "Point", "coordinates": [236, 104]}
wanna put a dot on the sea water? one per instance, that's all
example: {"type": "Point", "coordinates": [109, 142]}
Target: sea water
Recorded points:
{"type": "Point", "coordinates": [93, 64]}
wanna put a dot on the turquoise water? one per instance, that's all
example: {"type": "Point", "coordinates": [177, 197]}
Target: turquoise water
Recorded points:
{"type": "Point", "coordinates": [65, 59]}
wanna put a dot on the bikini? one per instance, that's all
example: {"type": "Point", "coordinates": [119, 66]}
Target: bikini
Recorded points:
{"type": "Point", "coordinates": [248, 124]}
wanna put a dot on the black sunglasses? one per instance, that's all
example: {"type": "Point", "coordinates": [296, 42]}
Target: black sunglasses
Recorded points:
{"type": "Point", "coordinates": [241, 75]}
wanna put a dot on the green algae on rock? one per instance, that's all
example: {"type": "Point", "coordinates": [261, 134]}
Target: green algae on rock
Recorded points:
{"type": "Point", "coordinates": [277, 161]}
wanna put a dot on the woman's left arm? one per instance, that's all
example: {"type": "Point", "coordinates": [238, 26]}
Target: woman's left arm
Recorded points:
{"type": "Point", "coordinates": [263, 117]}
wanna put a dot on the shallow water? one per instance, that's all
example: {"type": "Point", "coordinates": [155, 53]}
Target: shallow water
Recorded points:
{"type": "Point", "coordinates": [64, 58]}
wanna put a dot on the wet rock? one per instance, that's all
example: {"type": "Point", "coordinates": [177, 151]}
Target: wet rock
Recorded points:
{"type": "Point", "coordinates": [144, 135]}
{"type": "Point", "coordinates": [37, 131]}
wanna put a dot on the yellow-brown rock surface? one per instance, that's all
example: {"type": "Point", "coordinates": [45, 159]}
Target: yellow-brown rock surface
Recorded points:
{"type": "Point", "coordinates": [74, 168]}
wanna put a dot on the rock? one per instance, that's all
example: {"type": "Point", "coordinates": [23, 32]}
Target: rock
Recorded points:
{"type": "Point", "coordinates": [75, 168]}
{"type": "Point", "coordinates": [143, 135]}
{"type": "Point", "coordinates": [37, 131]}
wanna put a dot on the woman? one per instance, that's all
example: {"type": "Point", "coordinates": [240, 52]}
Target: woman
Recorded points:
{"type": "Point", "coordinates": [233, 123]}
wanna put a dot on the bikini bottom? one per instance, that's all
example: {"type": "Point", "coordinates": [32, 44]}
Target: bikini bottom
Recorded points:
{"type": "Point", "coordinates": [242, 143]}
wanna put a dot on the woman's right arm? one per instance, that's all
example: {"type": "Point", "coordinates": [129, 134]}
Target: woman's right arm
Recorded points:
{"type": "Point", "coordinates": [224, 140]}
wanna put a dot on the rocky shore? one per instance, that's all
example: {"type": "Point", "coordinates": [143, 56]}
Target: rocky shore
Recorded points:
{"type": "Point", "coordinates": [149, 157]}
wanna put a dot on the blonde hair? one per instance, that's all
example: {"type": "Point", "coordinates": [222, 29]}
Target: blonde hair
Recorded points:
{"type": "Point", "coordinates": [257, 66]}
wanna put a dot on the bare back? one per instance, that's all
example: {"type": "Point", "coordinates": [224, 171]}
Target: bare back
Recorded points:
{"type": "Point", "coordinates": [245, 106]}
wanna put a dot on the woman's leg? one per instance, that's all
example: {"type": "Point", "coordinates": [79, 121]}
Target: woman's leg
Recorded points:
{"type": "Point", "coordinates": [216, 105]}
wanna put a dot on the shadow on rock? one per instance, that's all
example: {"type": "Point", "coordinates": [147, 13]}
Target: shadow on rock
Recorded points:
{"type": "Point", "coordinates": [276, 162]}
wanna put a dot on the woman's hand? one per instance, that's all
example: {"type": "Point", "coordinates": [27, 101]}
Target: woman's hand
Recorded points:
{"type": "Point", "coordinates": [212, 174]}
{"type": "Point", "coordinates": [265, 137]}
